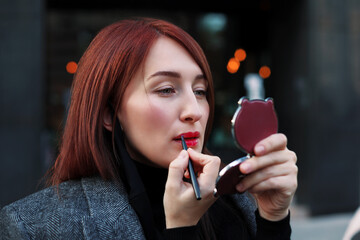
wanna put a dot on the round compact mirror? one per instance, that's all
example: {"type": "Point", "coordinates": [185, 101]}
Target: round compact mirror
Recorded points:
{"type": "Point", "coordinates": [253, 121]}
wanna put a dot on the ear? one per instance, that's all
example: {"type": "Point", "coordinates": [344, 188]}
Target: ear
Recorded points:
{"type": "Point", "coordinates": [269, 101]}
{"type": "Point", "coordinates": [107, 120]}
{"type": "Point", "coordinates": [243, 100]}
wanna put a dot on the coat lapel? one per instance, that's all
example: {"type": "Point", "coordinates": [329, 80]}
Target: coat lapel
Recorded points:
{"type": "Point", "coordinates": [111, 216]}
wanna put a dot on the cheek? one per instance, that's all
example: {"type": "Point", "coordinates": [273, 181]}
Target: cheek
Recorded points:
{"type": "Point", "coordinates": [206, 111]}
{"type": "Point", "coordinates": [205, 114]}
{"type": "Point", "coordinates": [159, 116]}
{"type": "Point", "coordinates": [146, 115]}
{"type": "Point", "coordinates": [144, 119]}
{"type": "Point", "coordinates": [148, 130]}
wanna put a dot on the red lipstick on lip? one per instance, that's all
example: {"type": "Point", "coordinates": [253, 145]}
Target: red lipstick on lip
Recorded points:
{"type": "Point", "coordinates": [191, 138]}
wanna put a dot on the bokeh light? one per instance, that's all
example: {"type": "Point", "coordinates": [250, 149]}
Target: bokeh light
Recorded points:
{"type": "Point", "coordinates": [264, 72]}
{"type": "Point", "coordinates": [233, 65]}
{"type": "Point", "coordinates": [240, 54]}
{"type": "Point", "coordinates": [71, 67]}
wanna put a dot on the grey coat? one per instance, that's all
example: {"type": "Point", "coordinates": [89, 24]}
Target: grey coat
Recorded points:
{"type": "Point", "coordinates": [89, 208]}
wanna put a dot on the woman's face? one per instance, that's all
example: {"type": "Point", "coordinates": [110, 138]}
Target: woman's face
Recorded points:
{"type": "Point", "coordinates": [165, 99]}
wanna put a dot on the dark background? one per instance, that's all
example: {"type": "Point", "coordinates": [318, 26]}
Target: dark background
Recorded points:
{"type": "Point", "coordinates": [312, 48]}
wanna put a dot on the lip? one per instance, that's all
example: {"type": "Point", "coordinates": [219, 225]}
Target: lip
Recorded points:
{"type": "Point", "coordinates": [191, 138]}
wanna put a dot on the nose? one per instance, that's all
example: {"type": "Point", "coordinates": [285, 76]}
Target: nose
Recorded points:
{"type": "Point", "coordinates": [191, 111]}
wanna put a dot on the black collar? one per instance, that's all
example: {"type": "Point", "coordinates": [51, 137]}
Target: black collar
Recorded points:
{"type": "Point", "coordinates": [137, 194]}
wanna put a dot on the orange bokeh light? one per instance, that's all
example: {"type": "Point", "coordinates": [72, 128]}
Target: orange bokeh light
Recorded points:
{"type": "Point", "coordinates": [264, 72]}
{"type": "Point", "coordinates": [233, 65]}
{"type": "Point", "coordinates": [71, 67]}
{"type": "Point", "coordinates": [240, 54]}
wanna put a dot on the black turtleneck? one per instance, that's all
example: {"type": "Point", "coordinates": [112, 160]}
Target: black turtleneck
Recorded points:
{"type": "Point", "coordinates": [154, 180]}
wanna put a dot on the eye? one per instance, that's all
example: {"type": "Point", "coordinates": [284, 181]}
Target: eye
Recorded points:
{"type": "Point", "coordinates": [200, 88]}
{"type": "Point", "coordinates": [200, 93]}
{"type": "Point", "coordinates": [166, 91]}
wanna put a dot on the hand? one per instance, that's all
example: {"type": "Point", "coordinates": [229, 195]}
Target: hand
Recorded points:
{"type": "Point", "coordinates": [272, 177]}
{"type": "Point", "coordinates": [181, 207]}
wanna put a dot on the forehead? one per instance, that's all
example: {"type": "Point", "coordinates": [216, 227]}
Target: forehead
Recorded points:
{"type": "Point", "coordinates": [167, 54]}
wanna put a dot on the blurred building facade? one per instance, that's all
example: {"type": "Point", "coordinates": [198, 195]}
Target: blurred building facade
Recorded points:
{"type": "Point", "coordinates": [312, 48]}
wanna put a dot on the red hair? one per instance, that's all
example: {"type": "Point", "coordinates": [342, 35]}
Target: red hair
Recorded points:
{"type": "Point", "coordinates": [104, 72]}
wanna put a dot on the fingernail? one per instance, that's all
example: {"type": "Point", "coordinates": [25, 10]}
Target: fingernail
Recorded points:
{"type": "Point", "coordinates": [240, 187]}
{"type": "Point", "coordinates": [245, 167]}
{"type": "Point", "coordinates": [183, 154]}
{"type": "Point", "coordinates": [259, 149]}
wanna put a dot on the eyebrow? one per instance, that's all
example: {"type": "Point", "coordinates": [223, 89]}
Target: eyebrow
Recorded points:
{"type": "Point", "coordinates": [173, 74]}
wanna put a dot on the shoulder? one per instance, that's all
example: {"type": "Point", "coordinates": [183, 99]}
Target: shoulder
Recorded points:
{"type": "Point", "coordinates": [73, 194]}
{"type": "Point", "coordinates": [64, 210]}
{"type": "Point", "coordinates": [34, 214]}
{"type": "Point", "coordinates": [246, 205]}
{"type": "Point", "coordinates": [243, 203]}
{"type": "Point", "coordinates": [68, 194]}
{"type": "Point", "coordinates": [236, 209]}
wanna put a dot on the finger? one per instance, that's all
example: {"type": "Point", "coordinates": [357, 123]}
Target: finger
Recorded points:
{"type": "Point", "coordinates": [187, 174]}
{"type": "Point", "coordinates": [256, 163]}
{"type": "Point", "coordinates": [262, 176]}
{"type": "Point", "coordinates": [272, 143]}
{"type": "Point", "coordinates": [200, 158]}
{"type": "Point", "coordinates": [210, 169]}
{"type": "Point", "coordinates": [209, 164]}
{"type": "Point", "coordinates": [285, 185]}
{"type": "Point", "coordinates": [177, 167]}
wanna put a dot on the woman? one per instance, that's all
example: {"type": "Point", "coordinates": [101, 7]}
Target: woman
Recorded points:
{"type": "Point", "coordinates": [121, 172]}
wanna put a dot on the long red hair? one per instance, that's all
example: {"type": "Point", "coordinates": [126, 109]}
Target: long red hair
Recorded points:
{"type": "Point", "coordinates": [103, 73]}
